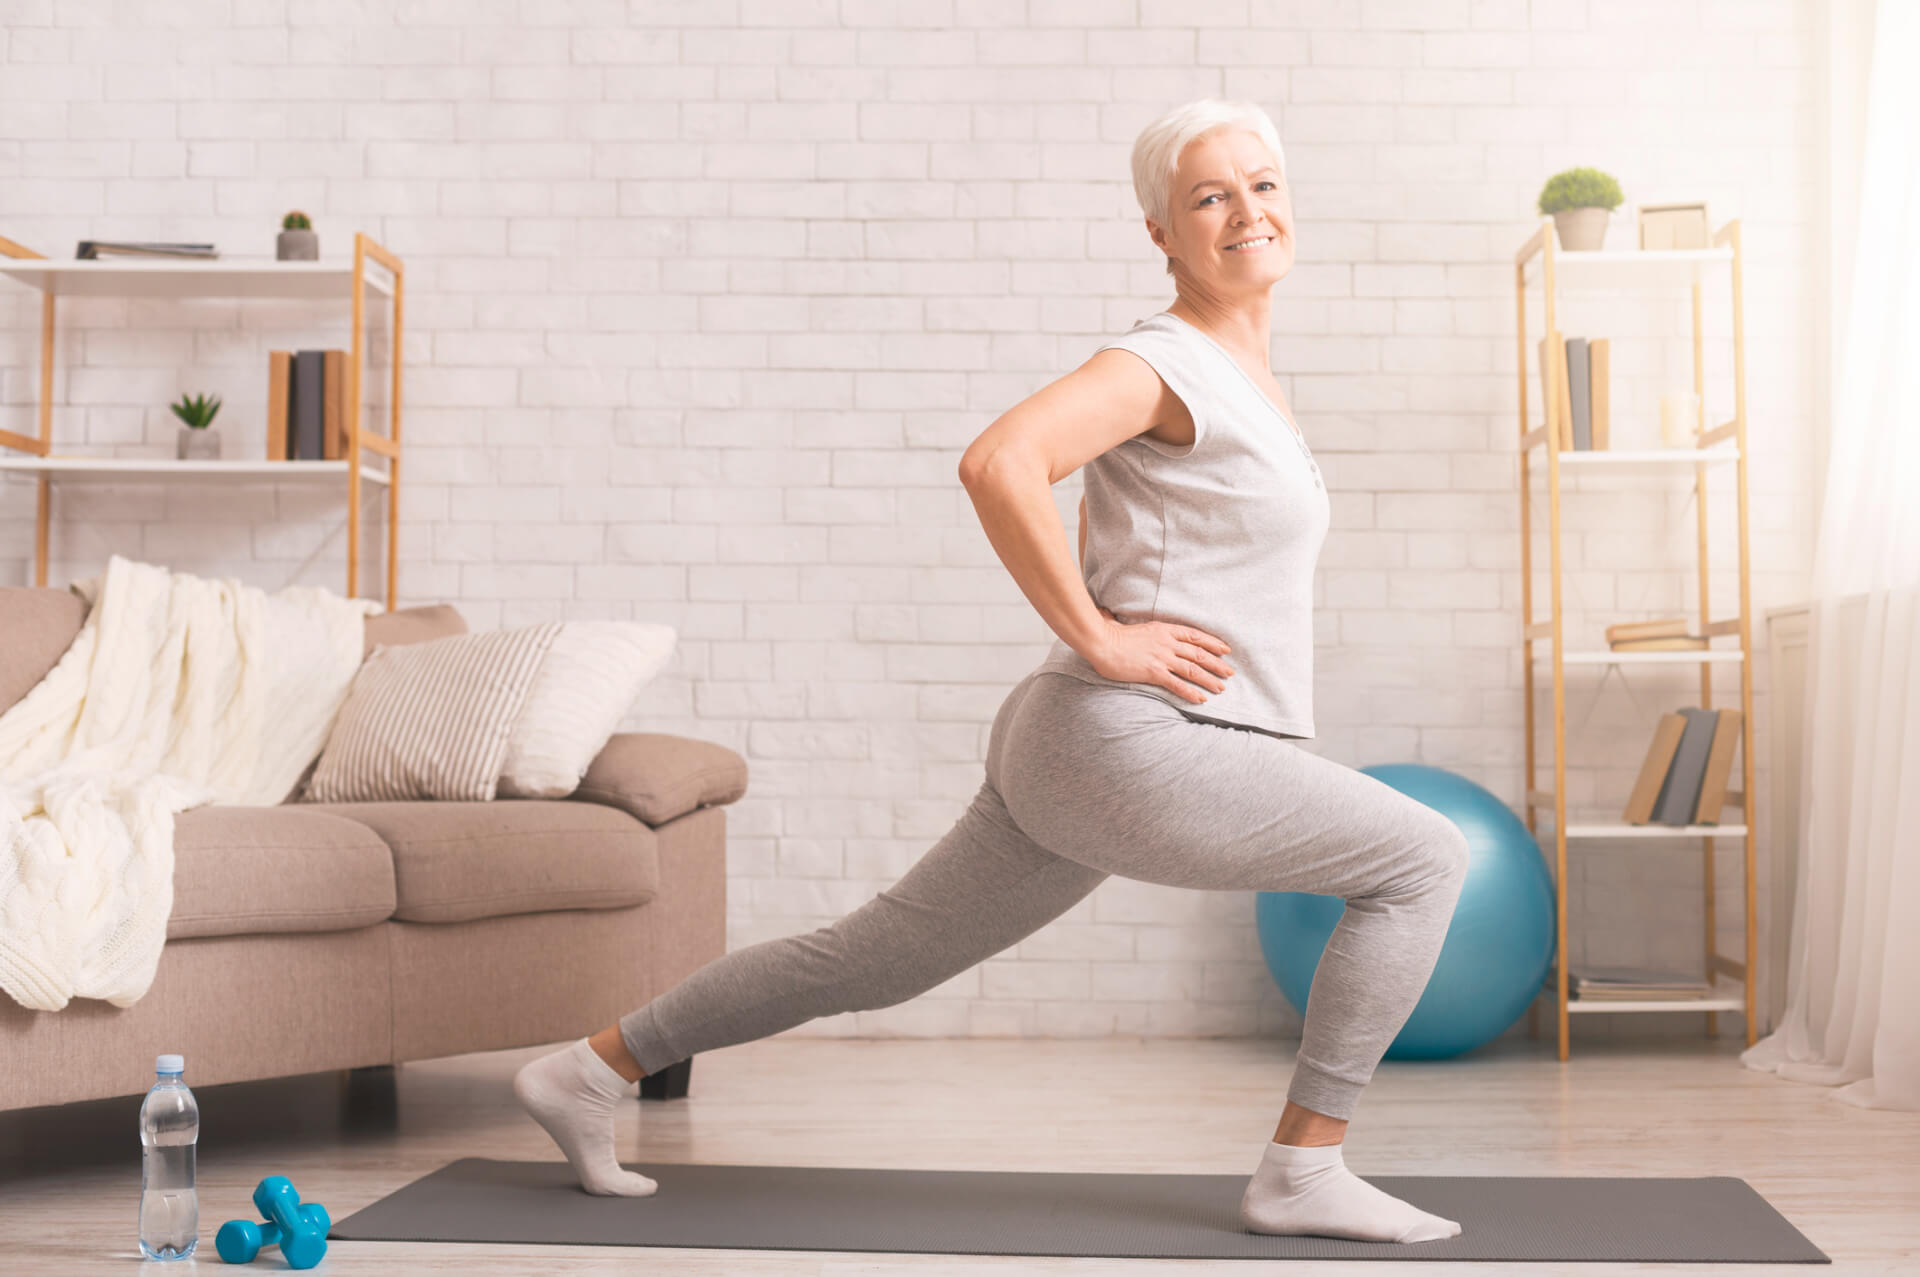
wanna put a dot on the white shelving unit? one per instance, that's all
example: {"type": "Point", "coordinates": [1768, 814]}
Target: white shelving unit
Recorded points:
{"type": "Point", "coordinates": [135, 470]}
{"type": "Point", "coordinates": [186, 277]}
{"type": "Point", "coordinates": [1539, 264]}
{"type": "Point", "coordinates": [32, 458]}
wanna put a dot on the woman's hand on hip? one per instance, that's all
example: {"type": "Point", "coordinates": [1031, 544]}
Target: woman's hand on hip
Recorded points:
{"type": "Point", "coordinates": [1179, 658]}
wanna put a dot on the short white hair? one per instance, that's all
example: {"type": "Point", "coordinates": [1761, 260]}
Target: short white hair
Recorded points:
{"type": "Point", "coordinates": [1156, 152]}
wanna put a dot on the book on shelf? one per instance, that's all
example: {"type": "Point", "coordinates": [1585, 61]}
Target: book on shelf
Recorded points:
{"type": "Point", "coordinates": [1669, 634]}
{"type": "Point", "coordinates": [334, 405]}
{"type": "Point", "coordinates": [1675, 643]}
{"type": "Point", "coordinates": [1665, 627]}
{"type": "Point", "coordinates": [306, 411]}
{"type": "Point", "coordinates": [307, 405]}
{"type": "Point", "coordinates": [1627, 984]}
{"type": "Point", "coordinates": [1598, 375]}
{"type": "Point", "coordinates": [1683, 779]}
{"type": "Point", "coordinates": [1680, 791]}
{"type": "Point", "coordinates": [1713, 785]}
{"type": "Point", "coordinates": [1577, 392]}
{"type": "Point", "coordinates": [1583, 403]}
{"type": "Point", "coordinates": [93, 249]}
{"type": "Point", "coordinates": [279, 386]}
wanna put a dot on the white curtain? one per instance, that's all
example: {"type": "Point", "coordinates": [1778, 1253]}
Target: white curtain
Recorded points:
{"type": "Point", "coordinates": [1852, 1016]}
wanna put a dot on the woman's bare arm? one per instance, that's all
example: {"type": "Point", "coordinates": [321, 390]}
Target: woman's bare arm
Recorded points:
{"type": "Point", "coordinates": [1015, 504]}
{"type": "Point", "coordinates": [1009, 472]}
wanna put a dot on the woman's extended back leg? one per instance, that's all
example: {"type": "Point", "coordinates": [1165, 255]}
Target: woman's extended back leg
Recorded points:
{"type": "Point", "coordinates": [982, 888]}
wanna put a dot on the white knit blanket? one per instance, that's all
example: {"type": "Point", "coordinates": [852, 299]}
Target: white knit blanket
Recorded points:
{"type": "Point", "coordinates": [178, 691]}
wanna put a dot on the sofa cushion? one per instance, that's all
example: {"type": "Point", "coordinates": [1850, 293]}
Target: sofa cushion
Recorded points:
{"type": "Point", "coordinates": [454, 861]}
{"type": "Point", "coordinates": [658, 776]}
{"type": "Point", "coordinates": [411, 625]}
{"type": "Point", "coordinates": [37, 626]}
{"type": "Point", "coordinates": [246, 870]}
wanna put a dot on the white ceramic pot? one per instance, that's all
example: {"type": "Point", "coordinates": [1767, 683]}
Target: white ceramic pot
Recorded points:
{"type": "Point", "coordinates": [297, 246]}
{"type": "Point", "coordinates": [1581, 230]}
{"type": "Point", "coordinates": [199, 445]}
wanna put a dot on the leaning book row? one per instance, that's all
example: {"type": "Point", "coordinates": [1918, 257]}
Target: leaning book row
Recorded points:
{"type": "Point", "coordinates": [307, 401]}
{"type": "Point", "coordinates": [1583, 407]}
{"type": "Point", "coordinates": [1683, 780]}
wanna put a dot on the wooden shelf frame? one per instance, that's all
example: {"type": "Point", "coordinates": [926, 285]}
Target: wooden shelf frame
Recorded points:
{"type": "Point", "coordinates": [1718, 445]}
{"type": "Point", "coordinates": [192, 277]}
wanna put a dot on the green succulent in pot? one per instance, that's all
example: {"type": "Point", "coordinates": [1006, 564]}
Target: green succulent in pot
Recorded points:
{"type": "Point", "coordinates": [199, 411]}
{"type": "Point", "coordinates": [1580, 200]}
{"type": "Point", "coordinates": [196, 442]}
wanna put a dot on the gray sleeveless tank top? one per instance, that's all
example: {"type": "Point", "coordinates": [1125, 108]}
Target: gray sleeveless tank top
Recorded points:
{"type": "Point", "coordinates": [1222, 535]}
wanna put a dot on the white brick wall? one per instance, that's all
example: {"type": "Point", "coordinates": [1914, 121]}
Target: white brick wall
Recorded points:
{"type": "Point", "coordinates": [705, 300]}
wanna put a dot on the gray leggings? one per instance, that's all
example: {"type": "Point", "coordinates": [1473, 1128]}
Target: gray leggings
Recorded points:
{"type": "Point", "coordinates": [1083, 781]}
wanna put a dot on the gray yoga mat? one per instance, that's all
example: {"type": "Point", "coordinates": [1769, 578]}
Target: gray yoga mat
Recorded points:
{"type": "Point", "coordinates": [1705, 1220]}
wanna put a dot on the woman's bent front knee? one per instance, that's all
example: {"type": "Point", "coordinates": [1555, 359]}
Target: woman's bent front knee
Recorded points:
{"type": "Point", "coordinates": [1448, 852]}
{"type": "Point", "coordinates": [1434, 856]}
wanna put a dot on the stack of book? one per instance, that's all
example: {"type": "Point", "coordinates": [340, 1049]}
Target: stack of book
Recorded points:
{"type": "Point", "coordinates": [93, 249]}
{"type": "Point", "coordinates": [1583, 391]}
{"type": "Point", "coordinates": [1669, 634]}
{"type": "Point", "coordinates": [1624, 984]}
{"type": "Point", "coordinates": [307, 416]}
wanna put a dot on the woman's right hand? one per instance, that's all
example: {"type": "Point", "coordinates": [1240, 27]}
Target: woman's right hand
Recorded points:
{"type": "Point", "coordinates": [1176, 657]}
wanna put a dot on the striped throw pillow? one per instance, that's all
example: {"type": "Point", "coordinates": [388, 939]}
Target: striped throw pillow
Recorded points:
{"type": "Point", "coordinates": [430, 720]}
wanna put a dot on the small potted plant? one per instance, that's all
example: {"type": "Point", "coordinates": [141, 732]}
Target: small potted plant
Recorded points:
{"type": "Point", "coordinates": [197, 442]}
{"type": "Point", "coordinates": [1580, 200]}
{"type": "Point", "coordinates": [298, 241]}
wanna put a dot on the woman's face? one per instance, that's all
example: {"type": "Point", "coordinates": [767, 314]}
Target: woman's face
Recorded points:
{"type": "Point", "coordinates": [1227, 189]}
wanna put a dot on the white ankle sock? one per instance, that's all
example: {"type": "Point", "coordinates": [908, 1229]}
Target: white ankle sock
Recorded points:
{"type": "Point", "coordinates": [571, 1093]}
{"type": "Point", "coordinates": [1310, 1190]}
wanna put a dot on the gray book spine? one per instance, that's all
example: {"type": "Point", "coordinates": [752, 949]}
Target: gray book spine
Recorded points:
{"type": "Point", "coordinates": [308, 407]}
{"type": "Point", "coordinates": [1580, 392]}
{"type": "Point", "coordinates": [1680, 793]}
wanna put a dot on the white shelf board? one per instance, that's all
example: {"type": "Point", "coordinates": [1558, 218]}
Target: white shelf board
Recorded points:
{"type": "Point", "coordinates": [191, 277]}
{"type": "Point", "coordinates": [1604, 268]}
{"type": "Point", "coordinates": [1636, 658]}
{"type": "Point", "coordinates": [1612, 458]}
{"type": "Point", "coordinates": [149, 469]}
{"type": "Point", "coordinates": [1725, 995]}
{"type": "Point", "coordinates": [1649, 831]}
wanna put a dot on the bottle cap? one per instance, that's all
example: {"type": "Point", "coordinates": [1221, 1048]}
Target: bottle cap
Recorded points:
{"type": "Point", "coordinates": [170, 1064]}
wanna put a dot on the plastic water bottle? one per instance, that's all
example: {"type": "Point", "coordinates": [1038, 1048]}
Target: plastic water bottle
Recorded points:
{"type": "Point", "coordinates": [169, 1129]}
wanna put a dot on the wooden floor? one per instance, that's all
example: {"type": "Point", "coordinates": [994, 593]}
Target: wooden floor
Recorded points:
{"type": "Point", "coordinates": [1849, 1178]}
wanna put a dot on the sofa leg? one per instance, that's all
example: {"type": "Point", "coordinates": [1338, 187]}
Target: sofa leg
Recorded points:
{"type": "Point", "coordinates": [669, 1083]}
{"type": "Point", "coordinates": [371, 1098]}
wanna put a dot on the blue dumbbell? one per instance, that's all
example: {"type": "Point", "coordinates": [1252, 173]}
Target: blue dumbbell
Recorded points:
{"type": "Point", "coordinates": [300, 1231]}
{"type": "Point", "coordinates": [239, 1240]}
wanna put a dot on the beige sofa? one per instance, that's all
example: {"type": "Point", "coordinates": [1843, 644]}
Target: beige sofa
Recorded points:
{"type": "Point", "coordinates": [309, 936]}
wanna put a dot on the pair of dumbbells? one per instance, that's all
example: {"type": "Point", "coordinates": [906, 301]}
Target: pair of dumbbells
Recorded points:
{"type": "Point", "coordinates": [299, 1230]}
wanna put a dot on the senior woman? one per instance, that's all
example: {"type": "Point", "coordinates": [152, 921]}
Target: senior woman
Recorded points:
{"type": "Point", "coordinates": [1155, 740]}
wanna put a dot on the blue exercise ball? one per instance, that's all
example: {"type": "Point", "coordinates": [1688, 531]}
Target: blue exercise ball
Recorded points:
{"type": "Point", "coordinates": [1498, 946]}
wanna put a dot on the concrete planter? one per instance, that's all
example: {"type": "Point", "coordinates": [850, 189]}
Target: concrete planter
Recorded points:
{"type": "Point", "coordinates": [199, 445]}
{"type": "Point", "coordinates": [298, 246]}
{"type": "Point", "coordinates": [1581, 230]}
